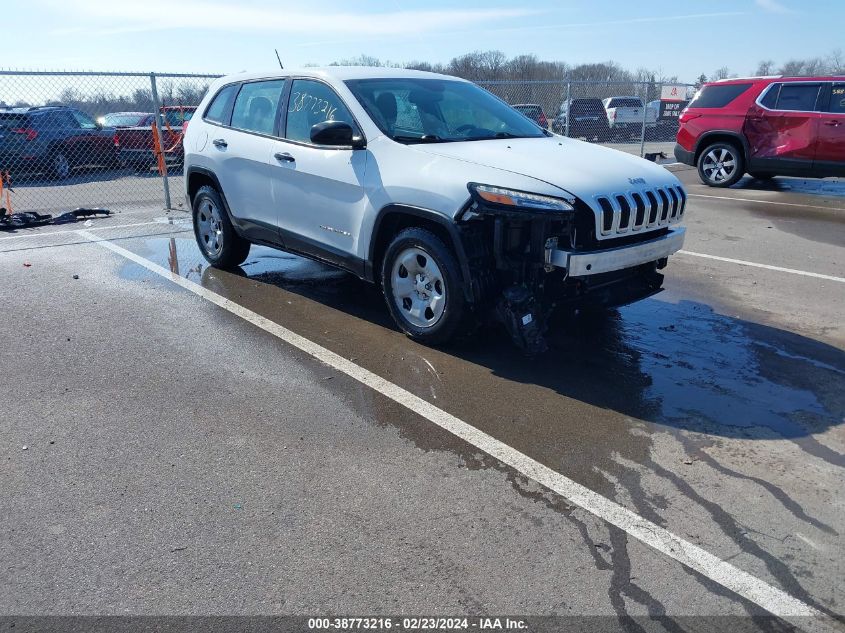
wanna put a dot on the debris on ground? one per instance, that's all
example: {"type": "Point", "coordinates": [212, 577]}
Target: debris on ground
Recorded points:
{"type": "Point", "coordinates": [27, 265]}
{"type": "Point", "coordinates": [28, 219]}
{"type": "Point", "coordinates": [76, 276]}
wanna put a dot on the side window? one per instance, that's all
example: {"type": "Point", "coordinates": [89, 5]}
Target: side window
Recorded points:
{"type": "Point", "coordinates": [770, 100]}
{"type": "Point", "coordinates": [84, 121]}
{"type": "Point", "coordinates": [256, 106]}
{"type": "Point", "coordinates": [313, 102]}
{"type": "Point", "coordinates": [799, 97]}
{"type": "Point", "coordinates": [218, 110]}
{"type": "Point", "coordinates": [837, 99]}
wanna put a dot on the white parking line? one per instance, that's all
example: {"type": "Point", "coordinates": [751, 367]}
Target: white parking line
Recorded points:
{"type": "Point", "coordinates": [772, 599]}
{"type": "Point", "coordinates": [756, 201]}
{"type": "Point", "coordinates": [779, 269]}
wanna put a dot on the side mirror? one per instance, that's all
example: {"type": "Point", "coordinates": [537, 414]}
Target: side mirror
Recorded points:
{"type": "Point", "coordinates": [336, 133]}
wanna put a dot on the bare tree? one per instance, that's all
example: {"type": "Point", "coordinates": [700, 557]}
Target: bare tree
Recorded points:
{"type": "Point", "coordinates": [836, 62]}
{"type": "Point", "coordinates": [721, 73]}
{"type": "Point", "coordinates": [765, 67]}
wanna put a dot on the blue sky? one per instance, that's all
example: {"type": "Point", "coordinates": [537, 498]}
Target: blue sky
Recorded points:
{"type": "Point", "coordinates": [681, 38]}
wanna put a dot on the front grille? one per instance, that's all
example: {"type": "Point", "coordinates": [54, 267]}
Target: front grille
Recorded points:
{"type": "Point", "coordinates": [630, 212]}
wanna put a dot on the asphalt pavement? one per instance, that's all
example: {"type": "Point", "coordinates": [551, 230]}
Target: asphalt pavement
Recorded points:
{"type": "Point", "coordinates": [266, 442]}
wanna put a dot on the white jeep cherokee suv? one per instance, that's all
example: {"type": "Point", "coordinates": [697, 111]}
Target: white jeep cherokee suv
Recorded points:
{"type": "Point", "coordinates": [456, 204]}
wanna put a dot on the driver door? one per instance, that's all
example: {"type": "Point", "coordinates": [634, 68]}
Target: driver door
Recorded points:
{"type": "Point", "coordinates": [317, 190]}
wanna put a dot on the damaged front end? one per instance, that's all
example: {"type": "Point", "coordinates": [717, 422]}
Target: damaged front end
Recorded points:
{"type": "Point", "coordinates": [529, 254]}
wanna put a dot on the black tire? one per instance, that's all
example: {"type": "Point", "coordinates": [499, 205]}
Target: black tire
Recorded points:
{"type": "Point", "coordinates": [729, 156]}
{"type": "Point", "coordinates": [758, 176]}
{"type": "Point", "coordinates": [221, 246]}
{"type": "Point", "coordinates": [452, 320]}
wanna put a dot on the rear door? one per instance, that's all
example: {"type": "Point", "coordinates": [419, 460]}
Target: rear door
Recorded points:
{"type": "Point", "coordinates": [782, 128]}
{"type": "Point", "coordinates": [241, 153]}
{"type": "Point", "coordinates": [830, 152]}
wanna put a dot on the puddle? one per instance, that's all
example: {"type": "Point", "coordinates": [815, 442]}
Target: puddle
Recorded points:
{"type": "Point", "coordinates": [831, 187]}
{"type": "Point", "coordinates": [677, 364]}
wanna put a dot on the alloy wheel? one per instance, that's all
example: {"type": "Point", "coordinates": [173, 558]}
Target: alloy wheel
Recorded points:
{"type": "Point", "coordinates": [719, 165]}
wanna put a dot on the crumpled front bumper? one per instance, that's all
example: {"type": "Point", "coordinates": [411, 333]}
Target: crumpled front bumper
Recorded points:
{"type": "Point", "coordinates": [584, 264]}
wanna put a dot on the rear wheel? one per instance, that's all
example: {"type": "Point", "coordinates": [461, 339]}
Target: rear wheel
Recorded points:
{"type": "Point", "coordinates": [59, 165]}
{"type": "Point", "coordinates": [216, 236]}
{"type": "Point", "coordinates": [422, 286]}
{"type": "Point", "coordinates": [720, 165]}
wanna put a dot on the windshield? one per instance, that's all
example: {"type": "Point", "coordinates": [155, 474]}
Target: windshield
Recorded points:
{"type": "Point", "coordinates": [411, 110]}
{"type": "Point", "coordinates": [177, 116]}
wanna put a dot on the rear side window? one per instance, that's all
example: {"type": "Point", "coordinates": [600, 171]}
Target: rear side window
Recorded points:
{"type": "Point", "coordinates": [800, 97]}
{"type": "Point", "coordinates": [837, 99]}
{"type": "Point", "coordinates": [770, 99]}
{"type": "Point", "coordinates": [587, 106]}
{"type": "Point", "coordinates": [13, 121]}
{"type": "Point", "coordinates": [718, 96]}
{"type": "Point", "coordinates": [256, 106]}
{"type": "Point", "coordinates": [218, 111]}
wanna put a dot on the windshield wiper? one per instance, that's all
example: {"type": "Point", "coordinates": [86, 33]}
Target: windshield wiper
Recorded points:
{"type": "Point", "coordinates": [425, 138]}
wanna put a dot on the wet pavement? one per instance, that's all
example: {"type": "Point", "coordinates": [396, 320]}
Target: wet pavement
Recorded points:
{"type": "Point", "coordinates": [714, 409]}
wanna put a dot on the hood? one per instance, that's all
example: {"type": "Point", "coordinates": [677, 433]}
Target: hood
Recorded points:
{"type": "Point", "coordinates": [582, 169]}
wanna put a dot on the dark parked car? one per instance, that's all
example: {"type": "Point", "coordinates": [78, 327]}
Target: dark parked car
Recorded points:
{"type": "Point", "coordinates": [54, 140]}
{"type": "Point", "coordinates": [533, 112]}
{"type": "Point", "coordinates": [589, 120]}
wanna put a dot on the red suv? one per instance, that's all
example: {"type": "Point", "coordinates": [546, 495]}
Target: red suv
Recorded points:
{"type": "Point", "coordinates": [765, 126]}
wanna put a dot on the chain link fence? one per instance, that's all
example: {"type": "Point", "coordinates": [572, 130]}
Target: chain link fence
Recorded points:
{"type": "Point", "coordinates": [637, 117]}
{"type": "Point", "coordinates": [108, 140]}
{"type": "Point", "coordinates": [114, 140]}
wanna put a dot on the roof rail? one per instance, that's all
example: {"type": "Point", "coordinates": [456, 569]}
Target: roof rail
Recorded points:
{"type": "Point", "coordinates": [752, 77]}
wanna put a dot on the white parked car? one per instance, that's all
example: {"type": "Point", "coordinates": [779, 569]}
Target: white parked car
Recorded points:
{"type": "Point", "coordinates": [454, 203]}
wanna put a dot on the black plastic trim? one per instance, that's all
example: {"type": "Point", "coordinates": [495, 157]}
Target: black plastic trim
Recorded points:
{"type": "Point", "coordinates": [703, 140]}
{"type": "Point", "coordinates": [450, 225]}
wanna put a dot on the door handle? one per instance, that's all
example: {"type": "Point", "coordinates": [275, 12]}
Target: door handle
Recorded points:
{"type": "Point", "coordinates": [284, 157]}
{"type": "Point", "coordinates": [219, 142]}
{"type": "Point", "coordinates": [832, 123]}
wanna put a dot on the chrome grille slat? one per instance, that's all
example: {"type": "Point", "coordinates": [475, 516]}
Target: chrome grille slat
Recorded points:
{"type": "Point", "coordinates": [624, 212]}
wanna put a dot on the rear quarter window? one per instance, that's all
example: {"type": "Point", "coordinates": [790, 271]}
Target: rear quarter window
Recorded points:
{"type": "Point", "coordinates": [13, 121]}
{"type": "Point", "coordinates": [718, 96]}
{"type": "Point", "coordinates": [218, 110]}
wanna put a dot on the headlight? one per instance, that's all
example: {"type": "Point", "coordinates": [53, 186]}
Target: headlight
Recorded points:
{"type": "Point", "coordinates": [489, 195]}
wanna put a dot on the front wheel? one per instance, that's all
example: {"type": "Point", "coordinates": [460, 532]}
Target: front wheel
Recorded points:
{"type": "Point", "coordinates": [217, 239]}
{"type": "Point", "coordinates": [422, 287]}
{"type": "Point", "coordinates": [720, 165]}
